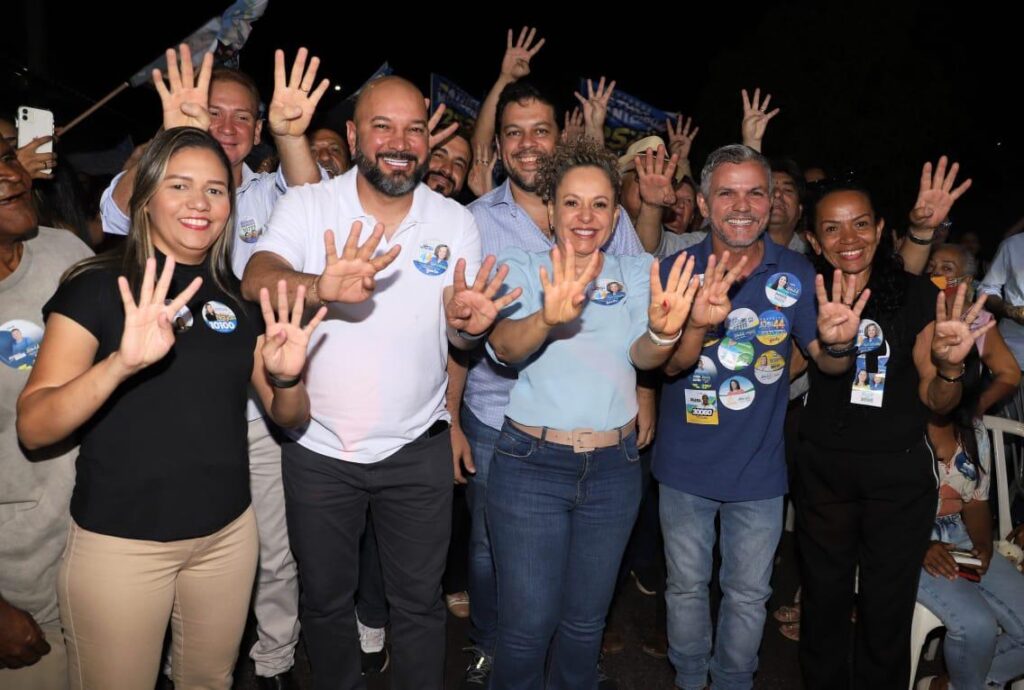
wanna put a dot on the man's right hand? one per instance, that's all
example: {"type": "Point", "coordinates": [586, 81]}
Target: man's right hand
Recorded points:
{"type": "Point", "coordinates": [185, 97]}
{"type": "Point", "coordinates": [350, 277]}
{"type": "Point", "coordinates": [516, 63]}
{"type": "Point", "coordinates": [22, 642]}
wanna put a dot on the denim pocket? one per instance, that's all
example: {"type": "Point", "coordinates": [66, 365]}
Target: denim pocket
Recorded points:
{"type": "Point", "coordinates": [515, 444]}
{"type": "Point", "coordinates": [629, 449]}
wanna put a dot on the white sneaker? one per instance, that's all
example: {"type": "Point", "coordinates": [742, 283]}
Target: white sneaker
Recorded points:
{"type": "Point", "coordinates": [370, 639]}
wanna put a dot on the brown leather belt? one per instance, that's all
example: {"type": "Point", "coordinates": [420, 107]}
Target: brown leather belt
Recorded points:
{"type": "Point", "coordinates": [581, 440]}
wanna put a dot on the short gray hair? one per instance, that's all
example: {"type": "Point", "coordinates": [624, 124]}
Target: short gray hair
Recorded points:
{"type": "Point", "coordinates": [969, 261]}
{"type": "Point", "coordinates": [734, 154]}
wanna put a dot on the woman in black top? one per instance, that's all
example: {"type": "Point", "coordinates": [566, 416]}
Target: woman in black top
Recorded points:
{"type": "Point", "coordinates": [162, 523]}
{"type": "Point", "coordinates": [865, 481]}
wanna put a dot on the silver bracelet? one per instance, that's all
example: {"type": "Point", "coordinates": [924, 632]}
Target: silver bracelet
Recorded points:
{"type": "Point", "coordinates": [663, 342]}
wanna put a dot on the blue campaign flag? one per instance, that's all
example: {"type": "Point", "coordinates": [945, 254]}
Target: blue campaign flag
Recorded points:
{"type": "Point", "coordinates": [630, 119]}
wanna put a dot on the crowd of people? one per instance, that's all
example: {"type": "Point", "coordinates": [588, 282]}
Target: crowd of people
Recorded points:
{"type": "Point", "coordinates": [321, 388]}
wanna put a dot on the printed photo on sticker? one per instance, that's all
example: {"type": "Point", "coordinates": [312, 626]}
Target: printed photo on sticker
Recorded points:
{"type": "Point", "coordinates": [703, 377]}
{"type": "Point", "coordinates": [869, 386]}
{"type": "Point", "coordinates": [182, 321]}
{"type": "Point", "coordinates": [772, 327]}
{"type": "Point", "coordinates": [734, 355]}
{"type": "Point", "coordinates": [783, 289]}
{"type": "Point", "coordinates": [432, 258]}
{"type": "Point", "coordinates": [248, 231]}
{"type": "Point", "coordinates": [741, 325]}
{"type": "Point", "coordinates": [769, 367]}
{"type": "Point", "coordinates": [736, 393]}
{"type": "Point", "coordinates": [608, 292]}
{"type": "Point", "coordinates": [701, 407]}
{"type": "Point", "coordinates": [19, 343]}
{"type": "Point", "coordinates": [219, 317]}
{"type": "Point", "coordinates": [869, 336]}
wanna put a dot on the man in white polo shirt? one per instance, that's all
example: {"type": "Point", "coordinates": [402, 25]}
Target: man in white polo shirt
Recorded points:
{"type": "Point", "coordinates": [376, 376]}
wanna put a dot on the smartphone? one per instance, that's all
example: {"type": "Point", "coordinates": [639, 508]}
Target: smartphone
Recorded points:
{"type": "Point", "coordinates": [33, 123]}
{"type": "Point", "coordinates": [966, 558]}
{"type": "Point", "coordinates": [969, 574]}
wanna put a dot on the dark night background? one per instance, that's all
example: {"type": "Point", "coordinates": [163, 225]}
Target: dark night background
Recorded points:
{"type": "Point", "coordinates": [878, 88]}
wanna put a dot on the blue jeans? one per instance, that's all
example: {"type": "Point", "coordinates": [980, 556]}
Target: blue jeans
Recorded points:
{"type": "Point", "coordinates": [483, 590]}
{"type": "Point", "coordinates": [974, 649]}
{"type": "Point", "coordinates": [750, 533]}
{"type": "Point", "coordinates": [559, 522]}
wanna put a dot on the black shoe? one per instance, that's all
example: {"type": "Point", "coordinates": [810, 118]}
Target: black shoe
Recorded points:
{"type": "Point", "coordinates": [282, 681]}
{"type": "Point", "coordinates": [375, 662]}
{"type": "Point", "coordinates": [478, 671]}
{"type": "Point", "coordinates": [603, 681]}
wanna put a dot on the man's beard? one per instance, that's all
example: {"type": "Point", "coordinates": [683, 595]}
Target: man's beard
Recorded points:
{"type": "Point", "coordinates": [732, 242]}
{"type": "Point", "coordinates": [395, 184]}
{"type": "Point", "coordinates": [446, 191]}
{"type": "Point", "coordinates": [531, 186]}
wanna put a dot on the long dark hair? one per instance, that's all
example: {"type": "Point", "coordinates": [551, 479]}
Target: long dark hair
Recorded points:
{"type": "Point", "coordinates": [131, 256]}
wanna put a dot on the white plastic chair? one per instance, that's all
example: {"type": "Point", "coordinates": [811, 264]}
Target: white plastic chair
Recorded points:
{"type": "Point", "coordinates": [924, 620]}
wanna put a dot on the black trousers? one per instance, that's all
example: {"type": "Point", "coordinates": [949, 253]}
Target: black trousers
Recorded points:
{"type": "Point", "coordinates": [410, 499]}
{"type": "Point", "coordinates": [874, 511]}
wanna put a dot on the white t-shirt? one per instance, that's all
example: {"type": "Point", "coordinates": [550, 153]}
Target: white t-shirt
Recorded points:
{"type": "Point", "coordinates": [376, 373]}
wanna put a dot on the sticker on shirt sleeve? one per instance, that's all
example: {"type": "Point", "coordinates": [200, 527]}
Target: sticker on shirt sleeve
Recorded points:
{"type": "Point", "coordinates": [248, 230]}
{"type": "Point", "coordinates": [608, 292]}
{"type": "Point", "coordinates": [703, 377]}
{"type": "Point", "coordinates": [734, 355]}
{"type": "Point", "coordinates": [772, 328]}
{"type": "Point", "coordinates": [701, 407]}
{"type": "Point", "coordinates": [869, 380]}
{"type": "Point", "coordinates": [182, 321]}
{"type": "Point", "coordinates": [736, 393]}
{"type": "Point", "coordinates": [741, 324]}
{"type": "Point", "coordinates": [783, 289]}
{"type": "Point", "coordinates": [769, 366]}
{"type": "Point", "coordinates": [432, 258]}
{"type": "Point", "coordinates": [869, 336]}
{"type": "Point", "coordinates": [219, 317]}
{"type": "Point", "coordinates": [19, 343]}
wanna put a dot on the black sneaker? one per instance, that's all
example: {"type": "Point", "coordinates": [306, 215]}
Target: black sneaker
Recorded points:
{"type": "Point", "coordinates": [375, 662]}
{"type": "Point", "coordinates": [478, 671]}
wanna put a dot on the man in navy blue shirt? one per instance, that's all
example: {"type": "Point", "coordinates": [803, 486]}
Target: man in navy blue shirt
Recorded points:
{"type": "Point", "coordinates": [719, 449]}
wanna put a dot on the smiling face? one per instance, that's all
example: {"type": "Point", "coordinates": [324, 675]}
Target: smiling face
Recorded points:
{"type": "Point", "coordinates": [846, 232]}
{"type": "Point", "coordinates": [17, 212]}
{"type": "Point", "coordinates": [527, 134]}
{"type": "Point", "coordinates": [234, 119]}
{"type": "Point", "coordinates": [191, 205]}
{"type": "Point", "coordinates": [737, 205]}
{"type": "Point", "coordinates": [449, 164]}
{"type": "Point", "coordinates": [583, 212]}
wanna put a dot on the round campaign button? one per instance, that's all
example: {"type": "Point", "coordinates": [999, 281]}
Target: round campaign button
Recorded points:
{"type": "Point", "coordinates": [782, 289]}
{"type": "Point", "coordinates": [703, 377]}
{"type": "Point", "coordinates": [432, 258]}
{"type": "Point", "coordinates": [734, 355]}
{"type": "Point", "coordinates": [608, 292]}
{"type": "Point", "coordinates": [736, 393]}
{"type": "Point", "coordinates": [869, 336]}
{"type": "Point", "coordinates": [248, 230]}
{"type": "Point", "coordinates": [182, 321]}
{"type": "Point", "coordinates": [19, 343]}
{"type": "Point", "coordinates": [768, 367]}
{"type": "Point", "coordinates": [219, 317]}
{"type": "Point", "coordinates": [773, 327]}
{"type": "Point", "coordinates": [741, 324]}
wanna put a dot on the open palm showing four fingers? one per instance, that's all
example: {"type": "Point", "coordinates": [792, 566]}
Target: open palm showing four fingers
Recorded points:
{"type": "Point", "coordinates": [839, 318]}
{"type": "Point", "coordinates": [350, 277]}
{"type": "Point", "coordinates": [670, 307]}
{"type": "Point", "coordinates": [472, 309]}
{"type": "Point", "coordinates": [565, 293]}
{"type": "Point", "coordinates": [711, 306]}
{"type": "Point", "coordinates": [285, 340]}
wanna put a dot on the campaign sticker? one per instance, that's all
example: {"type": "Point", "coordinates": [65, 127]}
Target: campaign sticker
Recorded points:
{"type": "Point", "coordinates": [734, 355]}
{"type": "Point", "coordinates": [736, 393]}
{"type": "Point", "coordinates": [432, 258]}
{"type": "Point", "coordinates": [772, 328]}
{"type": "Point", "coordinates": [869, 379]}
{"type": "Point", "coordinates": [608, 292]}
{"type": "Point", "coordinates": [703, 377]}
{"type": "Point", "coordinates": [182, 321]}
{"type": "Point", "coordinates": [19, 343]}
{"type": "Point", "coordinates": [783, 289]}
{"type": "Point", "coordinates": [248, 230]}
{"type": "Point", "coordinates": [869, 336]}
{"type": "Point", "coordinates": [219, 317]}
{"type": "Point", "coordinates": [701, 407]}
{"type": "Point", "coordinates": [769, 366]}
{"type": "Point", "coordinates": [741, 324]}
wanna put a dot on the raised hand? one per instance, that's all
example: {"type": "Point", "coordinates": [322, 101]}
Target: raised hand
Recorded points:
{"type": "Point", "coordinates": [680, 137]}
{"type": "Point", "coordinates": [294, 101]}
{"type": "Point", "coordinates": [574, 125]}
{"type": "Point", "coordinates": [350, 277]}
{"type": "Point", "coordinates": [34, 162]}
{"type": "Point", "coordinates": [670, 307]}
{"type": "Point", "coordinates": [712, 305]}
{"type": "Point", "coordinates": [185, 98]}
{"type": "Point", "coordinates": [565, 293]}
{"type": "Point", "coordinates": [148, 334]}
{"type": "Point", "coordinates": [953, 336]}
{"type": "Point", "coordinates": [595, 107]}
{"type": "Point", "coordinates": [481, 174]}
{"type": "Point", "coordinates": [839, 319]}
{"type": "Point", "coordinates": [654, 173]}
{"type": "Point", "coordinates": [516, 63]}
{"type": "Point", "coordinates": [439, 137]}
{"type": "Point", "coordinates": [473, 309]}
{"type": "Point", "coordinates": [755, 118]}
{"type": "Point", "coordinates": [936, 195]}
{"type": "Point", "coordinates": [285, 340]}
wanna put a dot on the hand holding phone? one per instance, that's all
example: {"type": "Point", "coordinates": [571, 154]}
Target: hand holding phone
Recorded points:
{"type": "Point", "coordinates": [35, 141]}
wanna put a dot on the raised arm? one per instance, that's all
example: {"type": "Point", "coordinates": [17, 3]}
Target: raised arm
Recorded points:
{"type": "Point", "coordinates": [756, 117]}
{"type": "Point", "coordinates": [935, 197]}
{"type": "Point", "coordinates": [289, 115]}
{"type": "Point", "coordinates": [514, 66]}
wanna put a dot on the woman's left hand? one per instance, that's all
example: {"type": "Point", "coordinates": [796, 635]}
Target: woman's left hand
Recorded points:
{"type": "Point", "coordinates": [953, 337]}
{"type": "Point", "coordinates": [285, 340]}
{"type": "Point", "coordinates": [670, 308]}
{"type": "Point", "coordinates": [839, 319]}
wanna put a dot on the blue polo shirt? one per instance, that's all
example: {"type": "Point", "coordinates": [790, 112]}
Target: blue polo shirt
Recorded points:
{"type": "Point", "coordinates": [720, 423]}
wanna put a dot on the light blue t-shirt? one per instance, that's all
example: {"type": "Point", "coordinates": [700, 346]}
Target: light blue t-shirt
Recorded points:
{"type": "Point", "coordinates": [582, 377]}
